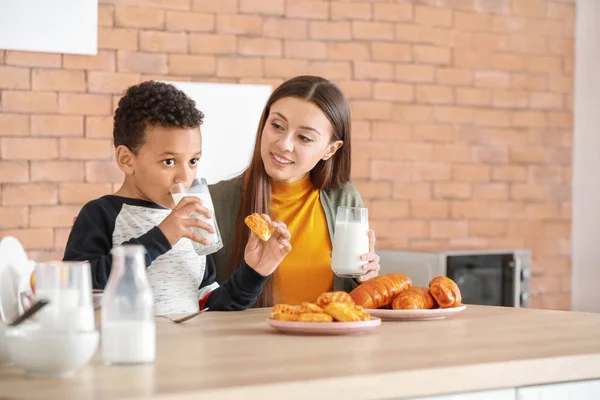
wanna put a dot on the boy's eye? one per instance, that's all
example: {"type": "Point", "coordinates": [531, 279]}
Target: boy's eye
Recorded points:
{"type": "Point", "coordinates": [169, 163]}
{"type": "Point", "coordinates": [194, 161]}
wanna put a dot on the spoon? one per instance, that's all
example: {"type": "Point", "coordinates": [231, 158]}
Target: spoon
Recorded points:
{"type": "Point", "coordinates": [29, 313]}
{"type": "Point", "coordinates": [183, 319]}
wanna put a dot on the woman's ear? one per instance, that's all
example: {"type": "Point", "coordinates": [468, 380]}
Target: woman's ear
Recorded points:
{"type": "Point", "coordinates": [331, 149]}
{"type": "Point", "coordinates": [125, 159]}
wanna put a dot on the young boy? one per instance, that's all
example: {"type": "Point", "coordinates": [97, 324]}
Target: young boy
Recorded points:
{"type": "Point", "coordinates": [158, 144]}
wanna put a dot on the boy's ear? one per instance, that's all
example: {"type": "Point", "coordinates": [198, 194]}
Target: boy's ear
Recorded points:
{"type": "Point", "coordinates": [125, 159]}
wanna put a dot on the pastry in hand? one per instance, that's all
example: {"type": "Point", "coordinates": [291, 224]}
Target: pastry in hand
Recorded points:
{"type": "Point", "coordinates": [285, 312]}
{"type": "Point", "coordinates": [445, 292]}
{"type": "Point", "coordinates": [415, 298]}
{"type": "Point", "coordinates": [315, 317]}
{"type": "Point", "coordinates": [306, 307]}
{"type": "Point", "coordinates": [342, 312]}
{"type": "Point", "coordinates": [259, 225]}
{"type": "Point", "coordinates": [334, 297]}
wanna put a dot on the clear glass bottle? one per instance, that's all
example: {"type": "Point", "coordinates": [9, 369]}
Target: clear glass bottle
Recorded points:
{"type": "Point", "coordinates": [128, 326]}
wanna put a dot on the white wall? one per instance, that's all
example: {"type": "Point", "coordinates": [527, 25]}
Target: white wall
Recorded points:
{"type": "Point", "coordinates": [586, 160]}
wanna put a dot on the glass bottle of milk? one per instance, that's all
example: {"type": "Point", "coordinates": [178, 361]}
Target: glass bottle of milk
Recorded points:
{"type": "Point", "coordinates": [197, 187]}
{"type": "Point", "coordinates": [350, 241]}
{"type": "Point", "coordinates": [128, 327]}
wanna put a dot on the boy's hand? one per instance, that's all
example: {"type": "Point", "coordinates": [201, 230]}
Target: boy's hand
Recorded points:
{"type": "Point", "coordinates": [177, 225]}
{"type": "Point", "coordinates": [265, 257]}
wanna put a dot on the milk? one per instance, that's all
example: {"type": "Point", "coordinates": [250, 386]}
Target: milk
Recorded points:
{"type": "Point", "coordinates": [65, 311]}
{"type": "Point", "coordinates": [129, 342]}
{"type": "Point", "coordinates": [350, 241]}
{"type": "Point", "coordinates": [206, 202]}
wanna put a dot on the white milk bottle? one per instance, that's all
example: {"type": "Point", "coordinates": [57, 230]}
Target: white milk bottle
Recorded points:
{"type": "Point", "coordinates": [198, 187]}
{"type": "Point", "coordinates": [128, 327]}
{"type": "Point", "coordinates": [350, 241]}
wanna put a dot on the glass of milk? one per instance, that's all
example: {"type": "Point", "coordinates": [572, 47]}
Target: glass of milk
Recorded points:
{"type": "Point", "coordinates": [127, 314]}
{"type": "Point", "coordinates": [68, 288]}
{"type": "Point", "coordinates": [350, 241]}
{"type": "Point", "coordinates": [198, 187]}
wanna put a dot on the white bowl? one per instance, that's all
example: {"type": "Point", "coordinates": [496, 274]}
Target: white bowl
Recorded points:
{"type": "Point", "coordinates": [4, 356]}
{"type": "Point", "coordinates": [46, 353]}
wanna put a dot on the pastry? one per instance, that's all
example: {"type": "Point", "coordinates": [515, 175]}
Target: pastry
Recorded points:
{"type": "Point", "coordinates": [337, 297]}
{"type": "Point", "coordinates": [315, 317]}
{"type": "Point", "coordinates": [342, 312]}
{"type": "Point", "coordinates": [414, 298]}
{"type": "Point", "coordinates": [445, 292]}
{"type": "Point", "coordinates": [259, 225]}
{"type": "Point", "coordinates": [380, 291]}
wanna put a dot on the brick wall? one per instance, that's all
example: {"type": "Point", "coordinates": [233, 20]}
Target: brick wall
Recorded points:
{"type": "Point", "coordinates": [462, 112]}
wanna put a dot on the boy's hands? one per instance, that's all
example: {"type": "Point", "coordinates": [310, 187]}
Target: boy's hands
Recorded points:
{"type": "Point", "coordinates": [177, 225]}
{"type": "Point", "coordinates": [265, 256]}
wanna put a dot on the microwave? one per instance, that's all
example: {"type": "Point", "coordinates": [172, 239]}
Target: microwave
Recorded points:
{"type": "Point", "coordinates": [488, 277]}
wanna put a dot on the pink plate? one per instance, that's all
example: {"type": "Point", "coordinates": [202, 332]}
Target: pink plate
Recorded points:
{"type": "Point", "coordinates": [415, 315]}
{"type": "Point", "coordinates": [324, 328]}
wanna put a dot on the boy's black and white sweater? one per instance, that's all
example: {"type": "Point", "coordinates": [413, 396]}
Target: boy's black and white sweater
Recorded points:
{"type": "Point", "coordinates": [181, 280]}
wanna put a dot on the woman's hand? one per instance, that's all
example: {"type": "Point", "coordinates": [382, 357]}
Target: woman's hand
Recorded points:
{"type": "Point", "coordinates": [372, 267]}
{"type": "Point", "coordinates": [265, 256]}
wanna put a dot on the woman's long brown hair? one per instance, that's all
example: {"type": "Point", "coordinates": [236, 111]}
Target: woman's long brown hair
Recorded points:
{"type": "Point", "coordinates": [332, 173]}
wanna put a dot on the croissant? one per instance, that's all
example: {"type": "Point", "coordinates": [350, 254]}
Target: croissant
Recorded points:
{"type": "Point", "coordinates": [380, 291]}
{"type": "Point", "coordinates": [415, 298]}
{"type": "Point", "coordinates": [445, 291]}
{"type": "Point", "coordinates": [259, 225]}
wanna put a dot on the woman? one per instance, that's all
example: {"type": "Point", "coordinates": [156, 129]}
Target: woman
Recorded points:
{"type": "Point", "coordinates": [299, 174]}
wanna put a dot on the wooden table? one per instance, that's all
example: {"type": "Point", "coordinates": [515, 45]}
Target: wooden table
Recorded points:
{"type": "Point", "coordinates": [236, 355]}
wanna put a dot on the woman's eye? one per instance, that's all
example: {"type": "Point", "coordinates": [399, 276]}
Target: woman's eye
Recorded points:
{"type": "Point", "coordinates": [276, 126]}
{"type": "Point", "coordinates": [194, 161]}
{"type": "Point", "coordinates": [305, 139]}
{"type": "Point", "coordinates": [169, 163]}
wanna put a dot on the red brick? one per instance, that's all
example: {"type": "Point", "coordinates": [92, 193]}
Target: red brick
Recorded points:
{"type": "Point", "coordinates": [528, 44]}
{"type": "Point", "coordinates": [85, 149]}
{"type": "Point", "coordinates": [56, 171]}
{"type": "Point", "coordinates": [99, 127]}
{"type": "Point", "coordinates": [281, 28]}
{"type": "Point", "coordinates": [432, 55]}
{"type": "Point", "coordinates": [239, 24]}
{"type": "Point", "coordinates": [142, 62]}
{"type": "Point", "coordinates": [546, 101]}
{"type": "Point", "coordinates": [276, 68]}
{"type": "Point", "coordinates": [486, 209]}
{"type": "Point", "coordinates": [14, 125]}
{"type": "Point", "coordinates": [334, 30]}
{"type": "Point", "coordinates": [61, 236]}
{"type": "Point", "coordinates": [305, 49]}
{"type": "Point", "coordinates": [492, 118]}
{"type": "Point", "coordinates": [397, 52]}
{"type": "Point", "coordinates": [212, 44]}
{"type": "Point", "coordinates": [369, 110]}
{"type": "Point", "coordinates": [260, 47]}
{"type": "Point", "coordinates": [14, 171]}
{"type": "Point", "coordinates": [307, 9]}
{"type": "Point", "coordinates": [373, 30]}
{"type": "Point", "coordinates": [189, 22]}
{"type": "Point", "coordinates": [491, 79]}
{"type": "Point", "coordinates": [561, 84]}
{"type": "Point", "coordinates": [29, 149]}
{"type": "Point", "coordinates": [429, 209]}
{"type": "Point", "coordinates": [511, 99]}
{"type": "Point", "coordinates": [139, 17]}
{"type": "Point", "coordinates": [110, 82]}
{"type": "Point", "coordinates": [434, 94]}
{"type": "Point", "coordinates": [453, 76]}
{"type": "Point", "coordinates": [544, 64]}
{"type": "Point", "coordinates": [392, 12]}
{"type": "Point", "coordinates": [374, 70]}
{"type": "Point", "coordinates": [103, 61]}
{"type": "Point", "coordinates": [489, 42]}
{"type": "Point", "coordinates": [52, 217]}
{"type": "Point", "coordinates": [397, 92]}
{"type": "Point", "coordinates": [490, 191]}
{"type": "Point", "coordinates": [412, 114]}
{"type": "Point", "coordinates": [106, 15]}
{"type": "Point", "coordinates": [163, 4]}
{"type": "Point", "coordinates": [102, 171]}
{"type": "Point", "coordinates": [32, 59]}
{"type": "Point", "coordinates": [433, 133]}
{"type": "Point", "coordinates": [239, 67]}
{"type": "Point", "coordinates": [163, 42]}
{"type": "Point", "coordinates": [471, 59]}
{"type": "Point", "coordinates": [543, 211]}
{"type": "Point", "coordinates": [411, 191]}
{"type": "Point", "coordinates": [14, 217]}
{"type": "Point", "coordinates": [389, 209]}
{"type": "Point", "coordinates": [370, 150]}
{"type": "Point", "coordinates": [529, 191]}
{"type": "Point", "coordinates": [32, 239]}
{"type": "Point", "coordinates": [361, 169]}
{"type": "Point", "coordinates": [56, 125]}
{"type": "Point", "coordinates": [372, 189]}
{"type": "Point", "coordinates": [487, 228]}
{"type": "Point", "coordinates": [183, 64]}
{"type": "Point", "coordinates": [271, 7]}
{"type": "Point", "coordinates": [84, 104]}
{"type": "Point", "coordinates": [529, 8]}
{"type": "Point", "coordinates": [561, 46]}
{"type": "Point", "coordinates": [14, 78]}
{"type": "Point", "coordinates": [81, 193]}
{"type": "Point", "coordinates": [344, 10]}
{"type": "Point", "coordinates": [390, 171]}
{"type": "Point", "coordinates": [430, 172]}
{"type": "Point", "coordinates": [473, 97]}
{"type": "Point", "coordinates": [412, 151]}
{"type": "Point", "coordinates": [216, 6]}
{"type": "Point", "coordinates": [414, 73]}
{"type": "Point", "coordinates": [29, 193]}
{"type": "Point", "coordinates": [471, 173]}
{"type": "Point", "coordinates": [383, 130]}
{"type": "Point", "coordinates": [560, 119]}
{"type": "Point", "coordinates": [117, 39]}
{"type": "Point", "coordinates": [454, 153]}
{"type": "Point", "coordinates": [561, 11]}
{"type": "Point", "coordinates": [448, 229]}
{"type": "Point", "coordinates": [491, 154]}
{"type": "Point", "coordinates": [332, 70]}
{"type": "Point", "coordinates": [450, 191]}
{"type": "Point", "coordinates": [529, 81]}
{"type": "Point", "coordinates": [472, 21]}
{"type": "Point", "coordinates": [454, 114]}
{"type": "Point", "coordinates": [29, 102]}
{"type": "Point", "coordinates": [348, 51]}
{"type": "Point", "coordinates": [531, 155]}
{"type": "Point", "coordinates": [531, 119]}
{"type": "Point", "coordinates": [361, 130]}
{"type": "Point", "coordinates": [433, 16]}
{"type": "Point", "coordinates": [46, 255]}
{"type": "Point", "coordinates": [510, 173]}
{"type": "Point", "coordinates": [55, 80]}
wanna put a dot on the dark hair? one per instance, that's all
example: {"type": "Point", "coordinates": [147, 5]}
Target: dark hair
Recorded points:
{"type": "Point", "coordinates": [327, 174]}
{"type": "Point", "coordinates": [152, 103]}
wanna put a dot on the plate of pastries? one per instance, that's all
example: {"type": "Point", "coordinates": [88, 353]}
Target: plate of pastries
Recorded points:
{"type": "Point", "coordinates": [392, 296]}
{"type": "Point", "coordinates": [332, 313]}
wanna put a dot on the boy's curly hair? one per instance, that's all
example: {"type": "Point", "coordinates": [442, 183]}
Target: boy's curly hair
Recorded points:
{"type": "Point", "coordinates": [151, 103]}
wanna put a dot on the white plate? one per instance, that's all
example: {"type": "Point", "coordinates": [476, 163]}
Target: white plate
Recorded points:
{"type": "Point", "coordinates": [13, 265]}
{"type": "Point", "coordinates": [415, 315]}
{"type": "Point", "coordinates": [324, 328]}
